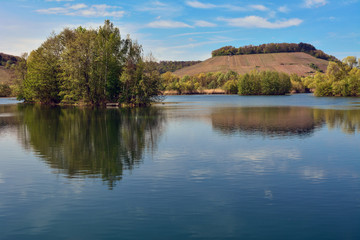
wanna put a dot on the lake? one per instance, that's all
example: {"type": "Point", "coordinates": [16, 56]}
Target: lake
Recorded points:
{"type": "Point", "coordinates": [194, 167]}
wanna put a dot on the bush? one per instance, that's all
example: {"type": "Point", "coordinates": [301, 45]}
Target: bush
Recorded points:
{"type": "Point", "coordinates": [249, 84]}
{"type": "Point", "coordinates": [5, 90]}
{"type": "Point", "coordinates": [231, 87]}
{"type": "Point", "coordinates": [264, 83]}
{"type": "Point", "coordinates": [323, 89]}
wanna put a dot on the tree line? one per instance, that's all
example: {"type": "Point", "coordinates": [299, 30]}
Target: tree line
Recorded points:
{"type": "Point", "coordinates": [253, 83]}
{"type": "Point", "coordinates": [273, 48]}
{"type": "Point", "coordinates": [7, 60]}
{"type": "Point", "coordinates": [340, 79]}
{"type": "Point", "coordinates": [90, 67]}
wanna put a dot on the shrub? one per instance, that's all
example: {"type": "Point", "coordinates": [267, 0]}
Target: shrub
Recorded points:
{"type": "Point", "coordinates": [231, 87]}
{"type": "Point", "coordinates": [323, 89]}
{"type": "Point", "coordinates": [249, 84]}
{"type": "Point", "coordinates": [5, 90]}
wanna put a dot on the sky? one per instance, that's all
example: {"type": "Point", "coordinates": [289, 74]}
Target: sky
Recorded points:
{"type": "Point", "coordinates": [188, 29]}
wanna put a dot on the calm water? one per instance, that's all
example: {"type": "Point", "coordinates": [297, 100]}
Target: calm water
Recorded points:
{"type": "Point", "coordinates": [196, 167]}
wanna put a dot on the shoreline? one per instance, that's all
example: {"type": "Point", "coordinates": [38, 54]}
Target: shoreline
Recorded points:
{"type": "Point", "coordinates": [195, 92]}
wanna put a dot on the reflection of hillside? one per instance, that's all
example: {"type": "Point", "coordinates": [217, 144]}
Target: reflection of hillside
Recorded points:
{"type": "Point", "coordinates": [281, 121]}
{"type": "Point", "coordinates": [91, 142]}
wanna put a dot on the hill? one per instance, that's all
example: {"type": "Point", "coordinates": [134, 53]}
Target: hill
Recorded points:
{"type": "Point", "coordinates": [6, 72]}
{"type": "Point", "coordinates": [299, 63]}
{"type": "Point", "coordinates": [6, 75]}
{"type": "Point", "coordinates": [273, 48]}
{"type": "Point", "coordinates": [172, 66]}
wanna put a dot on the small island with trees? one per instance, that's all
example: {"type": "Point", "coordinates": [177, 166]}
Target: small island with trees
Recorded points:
{"type": "Point", "coordinates": [98, 67]}
{"type": "Point", "coordinates": [91, 67]}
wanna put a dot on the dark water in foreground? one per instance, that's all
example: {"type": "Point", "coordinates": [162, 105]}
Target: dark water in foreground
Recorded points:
{"type": "Point", "coordinates": [197, 167]}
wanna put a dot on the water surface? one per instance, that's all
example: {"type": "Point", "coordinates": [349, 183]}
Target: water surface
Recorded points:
{"type": "Point", "coordinates": [195, 167]}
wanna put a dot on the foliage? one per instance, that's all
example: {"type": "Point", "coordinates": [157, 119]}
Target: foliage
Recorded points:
{"type": "Point", "coordinates": [42, 82]}
{"type": "Point", "coordinates": [264, 83]}
{"type": "Point", "coordinates": [340, 79]}
{"type": "Point", "coordinates": [253, 83]}
{"type": "Point", "coordinates": [351, 61]}
{"type": "Point", "coordinates": [5, 90]}
{"type": "Point", "coordinates": [89, 66]}
{"type": "Point", "coordinates": [273, 48]}
{"type": "Point", "coordinates": [297, 85]}
{"type": "Point", "coordinates": [315, 67]}
{"type": "Point", "coordinates": [250, 84]}
{"type": "Point", "coordinates": [7, 60]}
{"type": "Point", "coordinates": [231, 87]}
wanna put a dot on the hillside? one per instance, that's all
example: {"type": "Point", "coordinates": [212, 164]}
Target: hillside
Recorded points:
{"type": "Point", "coordinates": [293, 62]}
{"type": "Point", "coordinates": [5, 75]}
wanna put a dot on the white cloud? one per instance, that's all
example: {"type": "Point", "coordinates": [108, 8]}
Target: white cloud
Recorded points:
{"type": "Point", "coordinates": [197, 4]}
{"type": "Point", "coordinates": [56, 10]}
{"type": "Point", "coordinates": [259, 22]}
{"type": "Point", "coordinates": [259, 7]}
{"type": "Point", "coordinates": [159, 8]}
{"type": "Point", "coordinates": [78, 6]}
{"type": "Point", "coordinates": [202, 23]}
{"type": "Point", "coordinates": [184, 51]}
{"type": "Point", "coordinates": [283, 9]}
{"type": "Point", "coordinates": [158, 3]}
{"type": "Point", "coordinates": [315, 3]}
{"type": "Point", "coordinates": [168, 24]}
{"type": "Point", "coordinates": [197, 33]}
{"type": "Point", "coordinates": [83, 10]}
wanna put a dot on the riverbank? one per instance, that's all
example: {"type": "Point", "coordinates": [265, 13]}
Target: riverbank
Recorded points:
{"type": "Point", "coordinates": [195, 92]}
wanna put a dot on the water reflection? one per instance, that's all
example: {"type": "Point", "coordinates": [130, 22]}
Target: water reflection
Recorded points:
{"type": "Point", "coordinates": [105, 142]}
{"type": "Point", "coordinates": [91, 142]}
{"type": "Point", "coordinates": [282, 121]}
{"type": "Point", "coordinates": [279, 121]}
{"type": "Point", "coordinates": [347, 120]}
{"type": "Point", "coordinates": [8, 118]}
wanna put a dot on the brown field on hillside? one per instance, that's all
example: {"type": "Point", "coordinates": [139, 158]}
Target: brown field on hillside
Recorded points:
{"type": "Point", "coordinates": [295, 62]}
{"type": "Point", "coordinates": [5, 75]}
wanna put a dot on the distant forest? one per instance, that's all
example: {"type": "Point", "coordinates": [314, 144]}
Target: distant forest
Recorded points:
{"type": "Point", "coordinates": [172, 66]}
{"type": "Point", "coordinates": [6, 59]}
{"type": "Point", "coordinates": [273, 48]}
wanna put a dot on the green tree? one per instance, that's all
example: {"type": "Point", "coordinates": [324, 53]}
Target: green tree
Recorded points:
{"type": "Point", "coordinates": [42, 82]}
{"type": "Point", "coordinates": [91, 67]}
{"type": "Point", "coordinates": [111, 57]}
{"type": "Point", "coordinates": [351, 61]}
{"type": "Point", "coordinates": [78, 61]}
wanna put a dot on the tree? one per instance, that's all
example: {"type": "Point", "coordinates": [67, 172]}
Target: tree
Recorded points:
{"type": "Point", "coordinates": [42, 82]}
{"type": "Point", "coordinates": [89, 66]}
{"type": "Point", "coordinates": [351, 61]}
{"type": "Point", "coordinates": [110, 58]}
{"type": "Point", "coordinates": [77, 63]}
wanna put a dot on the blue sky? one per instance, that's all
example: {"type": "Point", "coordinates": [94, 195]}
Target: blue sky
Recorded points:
{"type": "Point", "coordinates": [188, 29]}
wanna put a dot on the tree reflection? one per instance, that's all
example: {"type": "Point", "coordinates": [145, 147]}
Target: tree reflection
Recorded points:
{"type": "Point", "coordinates": [91, 142]}
{"type": "Point", "coordinates": [272, 121]}
{"type": "Point", "coordinates": [347, 120]}
{"type": "Point", "coordinates": [283, 121]}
